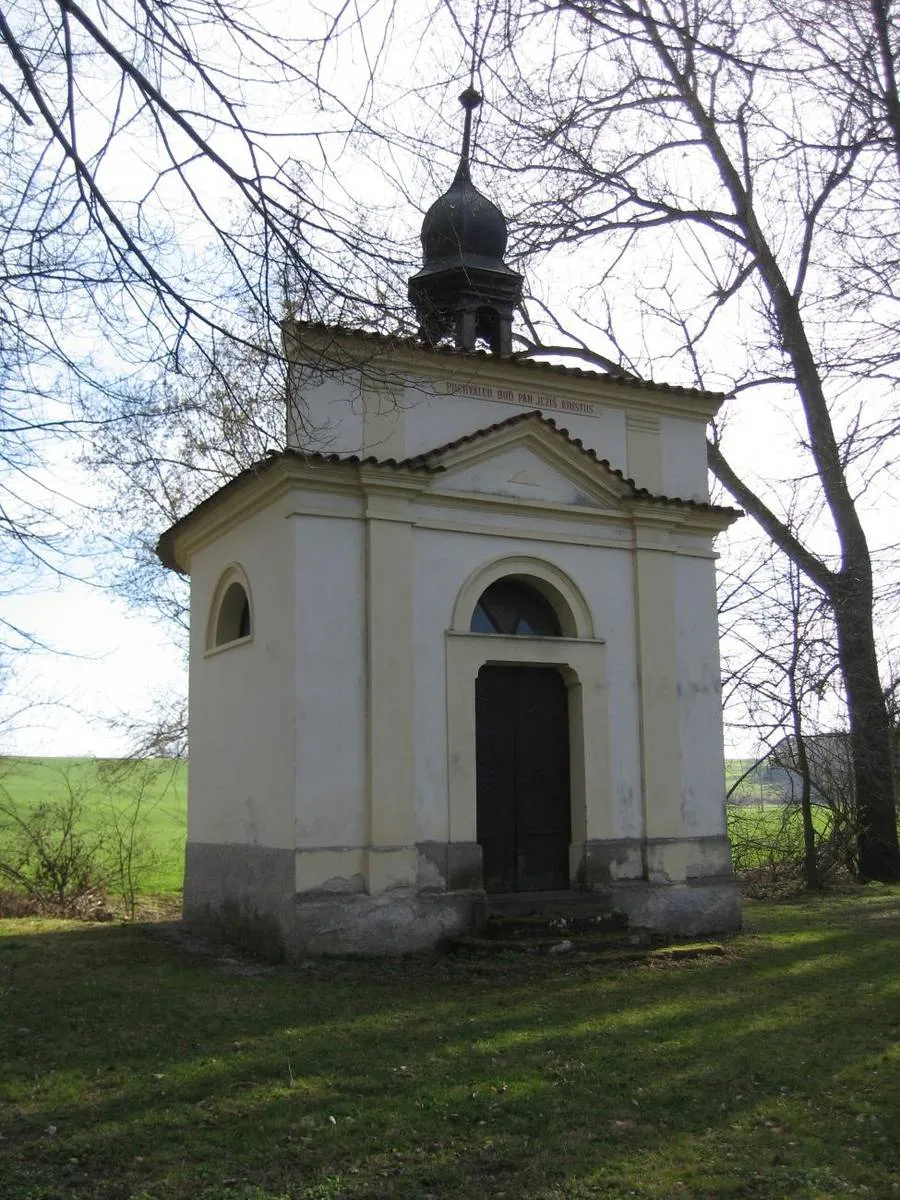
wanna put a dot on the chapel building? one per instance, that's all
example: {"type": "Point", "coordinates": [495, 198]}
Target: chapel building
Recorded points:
{"type": "Point", "coordinates": [466, 647]}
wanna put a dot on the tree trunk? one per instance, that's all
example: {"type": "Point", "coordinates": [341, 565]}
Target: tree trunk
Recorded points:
{"type": "Point", "coordinates": [810, 865]}
{"type": "Point", "coordinates": [879, 852]}
{"type": "Point", "coordinates": [801, 758]}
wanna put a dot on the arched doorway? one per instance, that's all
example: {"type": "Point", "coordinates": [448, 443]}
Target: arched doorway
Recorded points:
{"type": "Point", "coordinates": [522, 751]}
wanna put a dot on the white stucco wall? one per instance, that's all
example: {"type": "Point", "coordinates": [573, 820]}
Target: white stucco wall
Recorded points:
{"type": "Point", "coordinates": [684, 469]}
{"type": "Point", "coordinates": [305, 737]}
{"type": "Point", "coordinates": [241, 772]}
{"type": "Point", "coordinates": [328, 623]}
{"type": "Point", "coordinates": [325, 411]}
{"type": "Point", "coordinates": [431, 419]}
{"type": "Point", "coordinates": [437, 567]}
{"type": "Point", "coordinates": [397, 412]}
{"type": "Point", "coordinates": [607, 580]}
{"type": "Point", "coordinates": [699, 697]}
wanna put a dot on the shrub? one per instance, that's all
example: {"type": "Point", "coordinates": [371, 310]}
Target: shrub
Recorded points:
{"type": "Point", "coordinates": [50, 853]}
{"type": "Point", "coordinates": [66, 854]}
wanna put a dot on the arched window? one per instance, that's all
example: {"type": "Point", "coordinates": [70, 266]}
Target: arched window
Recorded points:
{"type": "Point", "coordinates": [513, 606]}
{"type": "Point", "coordinates": [231, 617]}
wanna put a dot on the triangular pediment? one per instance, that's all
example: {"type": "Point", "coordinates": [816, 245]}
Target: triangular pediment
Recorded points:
{"type": "Point", "coordinates": [530, 461]}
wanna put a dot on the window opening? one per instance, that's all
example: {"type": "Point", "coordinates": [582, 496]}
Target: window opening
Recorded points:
{"type": "Point", "coordinates": [512, 607]}
{"type": "Point", "coordinates": [244, 619]}
{"type": "Point", "coordinates": [233, 622]}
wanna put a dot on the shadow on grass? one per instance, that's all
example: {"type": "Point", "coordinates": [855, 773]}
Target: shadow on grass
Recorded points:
{"type": "Point", "coordinates": [134, 1071]}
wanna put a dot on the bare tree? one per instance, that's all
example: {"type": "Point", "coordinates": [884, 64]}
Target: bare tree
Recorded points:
{"type": "Point", "coordinates": [780, 668]}
{"type": "Point", "coordinates": [744, 159]}
{"type": "Point", "coordinates": [164, 167]}
{"type": "Point", "coordinates": [185, 97]}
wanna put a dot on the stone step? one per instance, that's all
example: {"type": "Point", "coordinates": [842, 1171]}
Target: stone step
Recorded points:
{"type": "Point", "coordinates": [505, 926]}
{"type": "Point", "coordinates": [576, 909]}
{"type": "Point", "coordinates": [523, 903]}
{"type": "Point", "coordinates": [473, 946]}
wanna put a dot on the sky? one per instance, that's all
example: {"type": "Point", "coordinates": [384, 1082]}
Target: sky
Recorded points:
{"type": "Point", "coordinates": [111, 666]}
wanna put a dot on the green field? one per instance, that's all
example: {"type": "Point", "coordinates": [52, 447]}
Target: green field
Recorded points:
{"type": "Point", "coordinates": [758, 831]}
{"type": "Point", "coordinates": [769, 834]}
{"type": "Point", "coordinates": [741, 774]}
{"type": "Point", "coordinates": [159, 786]}
{"type": "Point", "coordinates": [134, 1070]}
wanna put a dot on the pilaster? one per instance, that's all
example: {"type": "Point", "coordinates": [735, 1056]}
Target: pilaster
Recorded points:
{"type": "Point", "coordinates": [392, 857]}
{"type": "Point", "coordinates": [658, 699]}
{"type": "Point", "coordinates": [642, 448]}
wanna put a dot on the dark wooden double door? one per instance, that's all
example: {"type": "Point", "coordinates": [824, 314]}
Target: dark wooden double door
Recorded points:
{"type": "Point", "coordinates": [522, 762]}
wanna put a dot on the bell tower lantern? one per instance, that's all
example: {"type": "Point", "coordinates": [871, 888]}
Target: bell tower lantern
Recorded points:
{"type": "Point", "coordinates": [464, 290]}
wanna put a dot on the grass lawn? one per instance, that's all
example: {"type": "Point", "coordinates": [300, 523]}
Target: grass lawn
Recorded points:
{"type": "Point", "coordinates": [161, 783]}
{"type": "Point", "coordinates": [135, 1071]}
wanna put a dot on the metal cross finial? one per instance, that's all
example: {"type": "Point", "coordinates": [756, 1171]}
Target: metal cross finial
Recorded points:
{"type": "Point", "coordinates": [470, 100]}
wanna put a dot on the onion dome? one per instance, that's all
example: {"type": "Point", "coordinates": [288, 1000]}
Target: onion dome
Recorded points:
{"type": "Point", "coordinates": [463, 223]}
{"type": "Point", "coordinates": [465, 290]}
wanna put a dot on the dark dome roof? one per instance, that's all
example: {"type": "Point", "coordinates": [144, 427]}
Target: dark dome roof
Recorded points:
{"type": "Point", "coordinates": [462, 223]}
{"type": "Point", "coordinates": [465, 290]}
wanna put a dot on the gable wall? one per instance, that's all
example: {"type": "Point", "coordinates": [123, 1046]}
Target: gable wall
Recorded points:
{"type": "Point", "coordinates": [325, 411]}
{"type": "Point", "coordinates": [683, 459]}
{"type": "Point", "coordinates": [432, 417]}
{"type": "Point", "coordinates": [387, 411]}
